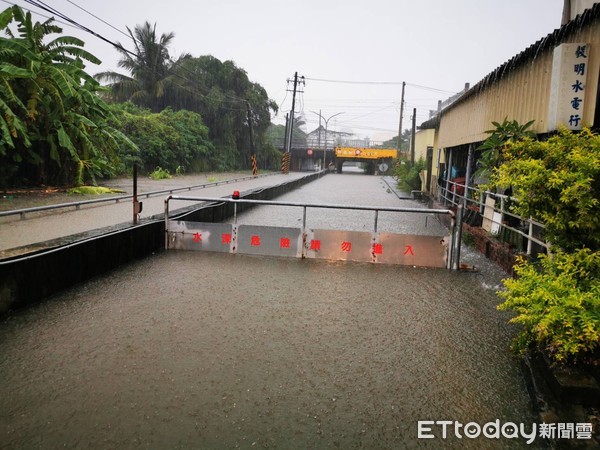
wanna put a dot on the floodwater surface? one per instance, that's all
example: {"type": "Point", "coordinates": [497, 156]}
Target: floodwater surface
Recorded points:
{"type": "Point", "coordinates": [207, 350]}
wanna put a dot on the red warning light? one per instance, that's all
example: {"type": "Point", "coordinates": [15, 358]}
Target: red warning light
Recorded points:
{"type": "Point", "coordinates": [235, 195]}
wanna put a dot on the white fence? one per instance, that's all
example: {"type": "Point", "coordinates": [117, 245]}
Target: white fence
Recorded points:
{"type": "Point", "coordinates": [497, 216]}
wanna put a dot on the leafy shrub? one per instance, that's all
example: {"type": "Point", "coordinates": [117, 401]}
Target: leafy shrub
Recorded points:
{"type": "Point", "coordinates": [160, 174]}
{"type": "Point", "coordinates": [557, 183]}
{"type": "Point", "coordinates": [408, 175]}
{"type": "Point", "coordinates": [557, 302]}
{"type": "Point", "coordinates": [167, 139]}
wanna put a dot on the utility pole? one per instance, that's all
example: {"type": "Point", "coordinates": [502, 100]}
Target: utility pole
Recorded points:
{"type": "Point", "coordinates": [250, 128]}
{"type": "Point", "coordinates": [412, 139]}
{"type": "Point", "coordinates": [285, 135]}
{"type": "Point", "coordinates": [326, 123]}
{"type": "Point", "coordinates": [401, 113]}
{"type": "Point", "coordinates": [320, 139]}
{"type": "Point", "coordinates": [291, 127]}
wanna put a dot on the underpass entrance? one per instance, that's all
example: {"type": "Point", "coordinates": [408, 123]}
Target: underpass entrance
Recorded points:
{"type": "Point", "coordinates": [312, 243]}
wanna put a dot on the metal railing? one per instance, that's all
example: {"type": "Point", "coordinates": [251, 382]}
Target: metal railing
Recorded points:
{"type": "Point", "coordinates": [77, 205]}
{"type": "Point", "coordinates": [453, 262]}
{"type": "Point", "coordinates": [448, 193]}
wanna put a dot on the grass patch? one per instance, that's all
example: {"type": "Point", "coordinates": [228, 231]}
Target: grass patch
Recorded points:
{"type": "Point", "coordinates": [93, 190]}
{"type": "Point", "coordinates": [160, 174]}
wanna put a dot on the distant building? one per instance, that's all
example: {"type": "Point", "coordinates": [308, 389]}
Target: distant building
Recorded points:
{"type": "Point", "coordinates": [317, 138]}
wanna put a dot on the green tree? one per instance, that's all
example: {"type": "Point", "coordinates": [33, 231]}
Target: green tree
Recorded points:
{"type": "Point", "coordinates": [221, 92]}
{"type": "Point", "coordinates": [151, 71]}
{"type": "Point", "coordinates": [53, 124]}
{"type": "Point", "coordinates": [168, 139]}
{"type": "Point", "coordinates": [393, 142]}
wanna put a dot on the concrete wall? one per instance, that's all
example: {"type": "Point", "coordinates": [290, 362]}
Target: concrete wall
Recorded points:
{"type": "Point", "coordinates": [30, 279]}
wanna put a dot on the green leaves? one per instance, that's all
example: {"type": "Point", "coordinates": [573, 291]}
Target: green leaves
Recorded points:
{"type": "Point", "coordinates": [493, 148]}
{"type": "Point", "coordinates": [557, 300]}
{"type": "Point", "coordinates": [558, 303]}
{"type": "Point", "coordinates": [556, 182]}
{"type": "Point", "coordinates": [52, 121]}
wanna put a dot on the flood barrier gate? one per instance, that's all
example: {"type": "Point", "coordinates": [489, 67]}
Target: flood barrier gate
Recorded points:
{"type": "Point", "coordinates": [305, 242]}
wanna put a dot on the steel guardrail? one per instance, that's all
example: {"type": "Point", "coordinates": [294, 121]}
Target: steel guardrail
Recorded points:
{"type": "Point", "coordinates": [23, 211]}
{"type": "Point", "coordinates": [452, 259]}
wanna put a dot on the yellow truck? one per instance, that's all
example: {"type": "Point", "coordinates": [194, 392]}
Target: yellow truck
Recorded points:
{"type": "Point", "coordinates": [378, 160]}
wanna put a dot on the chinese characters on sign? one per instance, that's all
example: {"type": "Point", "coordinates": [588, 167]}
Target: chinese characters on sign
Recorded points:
{"type": "Point", "coordinates": [568, 86]}
{"type": "Point", "coordinates": [384, 248]}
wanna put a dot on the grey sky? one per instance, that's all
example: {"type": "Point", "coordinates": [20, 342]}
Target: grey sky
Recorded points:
{"type": "Point", "coordinates": [434, 43]}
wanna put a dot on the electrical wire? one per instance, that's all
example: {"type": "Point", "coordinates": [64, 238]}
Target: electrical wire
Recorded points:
{"type": "Point", "coordinates": [39, 14]}
{"type": "Point", "coordinates": [41, 5]}
{"type": "Point", "coordinates": [382, 83]}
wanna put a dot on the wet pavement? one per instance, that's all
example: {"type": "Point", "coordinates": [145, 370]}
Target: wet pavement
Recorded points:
{"type": "Point", "coordinates": [47, 225]}
{"type": "Point", "coordinates": [209, 350]}
{"type": "Point", "coordinates": [348, 189]}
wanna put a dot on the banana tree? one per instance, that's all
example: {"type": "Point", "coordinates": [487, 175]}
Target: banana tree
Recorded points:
{"type": "Point", "coordinates": [53, 124]}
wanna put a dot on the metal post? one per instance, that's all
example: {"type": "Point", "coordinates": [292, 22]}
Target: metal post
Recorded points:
{"type": "Point", "coordinates": [304, 217]}
{"type": "Point", "coordinates": [399, 146]}
{"type": "Point", "coordinates": [324, 151]}
{"type": "Point", "coordinates": [468, 174]}
{"type": "Point", "coordinates": [413, 137]}
{"type": "Point", "coordinates": [135, 200]}
{"type": "Point", "coordinates": [376, 218]}
{"type": "Point", "coordinates": [529, 236]}
{"type": "Point", "coordinates": [448, 175]}
{"type": "Point", "coordinates": [459, 220]}
{"type": "Point", "coordinates": [167, 222]}
{"type": "Point", "coordinates": [235, 213]}
{"type": "Point", "coordinates": [451, 243]}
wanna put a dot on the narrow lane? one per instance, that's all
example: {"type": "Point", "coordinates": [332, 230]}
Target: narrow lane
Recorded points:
{"type": "Point", "coordinates": [206, 350]}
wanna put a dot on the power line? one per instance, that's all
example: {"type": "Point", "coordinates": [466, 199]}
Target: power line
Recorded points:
{"type": "Point", "coordinates": [390, 83]}
{"type": "Point", "coordinates": [40, 14]}
{"type": "Point", "coordinates": [41, 5]}
{"type": "Point", "coordinates": [99, 18]}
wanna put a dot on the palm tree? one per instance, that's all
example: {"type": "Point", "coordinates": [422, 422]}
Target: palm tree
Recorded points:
{"type": "Point", "coordinates": [150, 67]}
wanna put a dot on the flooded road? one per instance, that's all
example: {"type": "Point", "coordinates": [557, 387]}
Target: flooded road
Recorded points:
{"type": "Point", "coordinates": [207, 350]}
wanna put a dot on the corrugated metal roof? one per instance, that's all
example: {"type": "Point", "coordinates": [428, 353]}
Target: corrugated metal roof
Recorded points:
{"type": "Point", "coordinates": [531, 52]}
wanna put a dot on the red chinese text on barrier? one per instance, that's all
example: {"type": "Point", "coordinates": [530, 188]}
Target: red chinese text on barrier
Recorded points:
{"type": "Point", "coordinates": [409, 251]}
{"type": "Point", "coordinates": [197, 237]}
{"type": "Point", "coordinates": [226, 238]}
{"type": "Point", "coordinates": [315, 244]}
{"type": "Point", "coordinates": [284, 242]}
{"type": "Point", "coordinates": [255, 241]}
